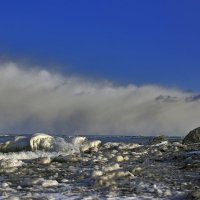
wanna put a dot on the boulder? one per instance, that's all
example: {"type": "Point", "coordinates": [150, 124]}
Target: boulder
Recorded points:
{"type": "Point", "coordinates": [158, 140]}
{"type": "Point", "coordinates": [42, 141]}
{"type": "Point", "coordinates": [90, 146]}
{"type": "Point", "coordinates": [194, 195]}
{"type": "Point", "coordinates": [192, 137]}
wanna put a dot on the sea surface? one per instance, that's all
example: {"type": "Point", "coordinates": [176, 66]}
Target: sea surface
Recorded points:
{"type": "Point", "coordinates": [103, 138]}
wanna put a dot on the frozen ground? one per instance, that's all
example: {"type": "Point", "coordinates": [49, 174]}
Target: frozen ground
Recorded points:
{"type": "Point", "coordinates": [53, 168]}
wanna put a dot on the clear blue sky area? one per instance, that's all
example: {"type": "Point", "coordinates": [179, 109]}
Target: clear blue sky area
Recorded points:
{"type": "Point", "coordinates": [127, 41]}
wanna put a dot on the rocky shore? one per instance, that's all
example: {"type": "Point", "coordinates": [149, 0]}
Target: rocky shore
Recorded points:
{"type": "Point", "coordinates": [159, 170]}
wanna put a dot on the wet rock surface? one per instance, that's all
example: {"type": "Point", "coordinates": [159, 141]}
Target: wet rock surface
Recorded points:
{"type": "Point", "coordinates": [106, 171]}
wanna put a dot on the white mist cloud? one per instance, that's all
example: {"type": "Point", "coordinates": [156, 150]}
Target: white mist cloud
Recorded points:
{"type": "Point", "coordinates": [37, 100]}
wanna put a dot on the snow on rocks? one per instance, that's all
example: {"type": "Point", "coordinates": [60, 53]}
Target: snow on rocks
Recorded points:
{"type": "Point", "coordinates": [136, 170]}
{"type": "Point", "coordinates": [117, 169]}
{"type": "Point", "coordinates": [41, 141]}
{"type": "Point", "coordinates": [109, 175]}
{"type": "Point", "coordinates": [131, 146]}
{"type": "Point", "coordinates": [97, 173]}
{"type": "Point", "coordinates": [49, 183]}
{"type": "Point", "coordinates": [43, 160]}
{"type": "Point", "coordinates": [79, 140]}
{"type": "Point", "coordinates": [161, 144]}
{"type": "Point", "coordinates": [110, 168]}
{"type": "Point", "coordinates": [38, 141]}
{"type": "Point", "coordinates": [121, 146]}
{"type": "Point", "coordinates": [9, 163]}
{"type": "Point", "coordinates": [90, 146]}
{"type": "Point", "coordinates": [119, 159]}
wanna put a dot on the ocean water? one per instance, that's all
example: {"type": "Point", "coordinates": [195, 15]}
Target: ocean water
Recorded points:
{"type": "Point", "coordinates": [41, 166]}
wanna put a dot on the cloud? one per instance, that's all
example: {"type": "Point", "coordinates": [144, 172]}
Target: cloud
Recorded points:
{"type": "Point", "coordinates": [35, 100]}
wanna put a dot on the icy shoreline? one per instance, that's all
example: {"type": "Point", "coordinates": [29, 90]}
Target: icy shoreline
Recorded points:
{"type": "Point", "coordinates": [85, 169]}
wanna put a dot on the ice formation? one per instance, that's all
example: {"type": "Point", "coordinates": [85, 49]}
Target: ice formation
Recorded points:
{"type": "Point", "coordinates": [49, 183]}
{"type": "Point", "coordinates": [41, 141]}
{"type": "Point", "coordinates": [79, 140]}
{"type": "Point", "coordinates": [90, 146]}
{"type": "Point", "coordinates": [9, 163]}
{"type": "Point", "coordinates": [55, 168]}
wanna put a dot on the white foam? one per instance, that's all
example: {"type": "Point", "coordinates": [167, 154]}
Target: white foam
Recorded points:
{"type": "Point", "coordinates": [26, 155]}
{"type": "Point", "coordinates": [60, 145]}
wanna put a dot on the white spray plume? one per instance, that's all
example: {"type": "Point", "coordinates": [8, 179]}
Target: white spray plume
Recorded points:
{"type": "Point", "coordinates": [37, 100]}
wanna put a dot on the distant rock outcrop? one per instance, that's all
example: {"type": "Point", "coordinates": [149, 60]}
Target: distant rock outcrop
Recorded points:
{"type": "Point", "coordinates": [192, 137]}
{"type": "Point", "coordinates": [158, 139]}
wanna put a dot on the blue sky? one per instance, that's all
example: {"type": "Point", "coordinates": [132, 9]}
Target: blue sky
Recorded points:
{"type": "Point", "coordinates": [140, 42]}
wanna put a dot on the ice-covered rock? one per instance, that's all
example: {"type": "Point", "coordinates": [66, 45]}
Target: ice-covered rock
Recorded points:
{"type": "Point", "coordinates": [130, 146]}
{"type": "Point", "coordinates": [97, 173]}
{"type": "Point", "coordinates": [36, 181]}
{"type": "Point", "coordinates": [43, 160]}
{"type": "Point", "coordinates": [41, 141]}
{"type": "Point", "coordinates": [120, 174]}
{"type": "Point", "coordinates": [49, 183]}
{"type": "Point", "coordinates": [9, 163]}
{"type": "Point", "coordinates": [119, 159]}
{"type": "Point", "coordinates": [94, 143]}
{"type": "Point", "coordinates": [117, 169]}
{"type": "Point", "coordinates": [111, 145]}
{"type": "Point", "coordinates": [110, 168]}
{"type": "Point", "coordinates": [161, 144]}
{"type": "Point", "coordinates": [167, 193]}
{"type": "Point", "coordinates": [179, 145]}
{"type": "Point", "coordinates": [38, 141]}
{"type": "Point", "coordinates": [90, 146]}
{"type": "Point", "coordinates": [79, 140]}
{"type": "Point", "coordinates": [4, 185]}
{"type": "Point", "coordinates": [111, 177]}
{"type": "Point", "coordinates": [136, 170]}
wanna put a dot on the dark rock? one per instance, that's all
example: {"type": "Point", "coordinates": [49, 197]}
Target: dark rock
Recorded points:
{"type": "Point", "coordinates": [194, 195]}
{"type": "Point", "coordinates": [192, 137]}
{"type": "Point", "coordinates": [158, 139]}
